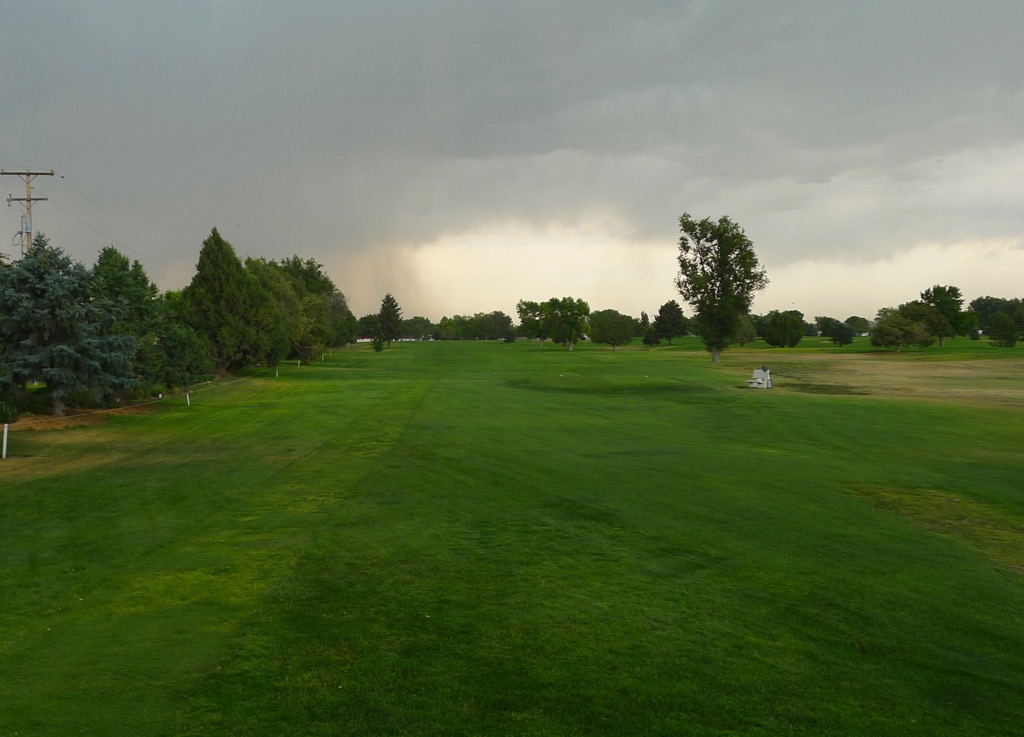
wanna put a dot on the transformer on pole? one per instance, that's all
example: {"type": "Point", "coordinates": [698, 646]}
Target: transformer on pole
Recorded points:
{"type": "Point", "coordinates": [27, 175]}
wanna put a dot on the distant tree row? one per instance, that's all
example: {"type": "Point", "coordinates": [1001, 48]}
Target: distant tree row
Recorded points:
{"type": "Point", "coordinates": [481, 326]}
{"type": "Point", "coordinates": [494, 325]}
{"type": "Point", "coordinates": [719, 274]}
{"type": "Point", "coordinates": [105, 333]}
{"type": "Point", "coordinates": [935, 316]}
{"type": "Point", "coordinates": [563, 320]}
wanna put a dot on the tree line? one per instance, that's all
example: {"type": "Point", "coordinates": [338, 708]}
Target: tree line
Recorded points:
{"type": "Point", "coordinates": [106, 333]}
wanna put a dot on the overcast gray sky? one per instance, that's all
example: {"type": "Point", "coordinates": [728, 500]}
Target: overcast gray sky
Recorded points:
{"type": "Point", "coordinates": [464, 155]}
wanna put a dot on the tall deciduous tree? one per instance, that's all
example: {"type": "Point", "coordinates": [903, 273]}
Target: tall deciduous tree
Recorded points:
{"type": "Point", "coordinates": [531, 320]}
{"type": "Point", "coordinates": [933, 321]}
{"type": "Point", "coordinates": [565, 319]}
{"type": "Point", "coordinates": [53, 330]}
{"type": "Point", "coordinates": [718, 276]}
{"type": "Point", "coordinates": [948, 302]}
{"type": "Point", "coordinates": [390, 318]}
{"type": "Point", "coordinates": [290, 325]}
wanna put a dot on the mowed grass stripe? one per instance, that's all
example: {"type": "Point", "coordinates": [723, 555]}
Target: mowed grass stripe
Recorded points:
{"type": "Point", "coordinates": [212, 505]}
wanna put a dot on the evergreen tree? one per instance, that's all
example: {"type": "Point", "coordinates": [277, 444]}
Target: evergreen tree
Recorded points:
{"type": "Point", "coordinates": [144, 315]}
{"type": "Point", "coordinates": [670, 322]}
{"type": "Point", "coordinates": [126, 285]}
{"type": "Point", "coordinates": [784, 329]}
{"type": "Point", "coordinates": [642, 324]}
{"type": "Point", "coordinates": [54, 331]}
{"type": "Point", "coordinates": [892, 329]}
{"type": "Point", "coordinates": [842, 333]}
{"type": "Point", "coordinates": [228, 308]}
{"type": "Point", "coordinates": [1003, 330]}
{"type": "Point", "coordinates": [175, 356]}
{"type": "Point", "coordinates": [390, 318]}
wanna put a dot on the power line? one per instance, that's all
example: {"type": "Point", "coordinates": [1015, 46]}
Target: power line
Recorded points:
{"type": "Point", "coordinates": [107, 236]}
{"type": "Point", "coordinates": [113, 217]}
{"type": "Point", "coordinates": [120, 222]}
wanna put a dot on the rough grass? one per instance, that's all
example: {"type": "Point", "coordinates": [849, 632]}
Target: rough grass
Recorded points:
{"type": "Point", "coordinates": [987, 530]}
{"type": "Point", "coordinates": [511, 539]}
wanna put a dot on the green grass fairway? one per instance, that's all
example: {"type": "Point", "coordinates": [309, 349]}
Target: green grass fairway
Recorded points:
{"type": "Point", "coordinates": [491, 539]}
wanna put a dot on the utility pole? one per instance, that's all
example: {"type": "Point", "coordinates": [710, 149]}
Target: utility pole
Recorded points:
{"type": "Point", "coordinates": [27, 176]}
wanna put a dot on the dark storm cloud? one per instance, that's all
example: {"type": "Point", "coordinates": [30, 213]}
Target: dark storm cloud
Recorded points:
{"type": "Point", "coordinates": [825, 129]}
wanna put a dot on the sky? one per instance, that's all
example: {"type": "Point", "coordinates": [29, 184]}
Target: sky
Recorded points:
{"type": "Point", "coordinates": [466, 155]}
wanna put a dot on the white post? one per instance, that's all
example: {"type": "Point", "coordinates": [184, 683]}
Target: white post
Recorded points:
{"type": "Point", "coordinates": [188, 399]}
{"type": "Point", "coordinates": [277, 372]}
{"type": "Point", "coordinates": [3, 456]}
{"type": "Point", "coordinates": [298, 363]}
{"type": "Point", "coordinates": [767, 378]}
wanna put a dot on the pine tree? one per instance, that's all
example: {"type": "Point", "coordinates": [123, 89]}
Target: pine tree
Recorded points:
{"type": "Point", "coordinates": [670, 322]}
{"type": "Point", "coordinates": [228, 307]}
{"type": "Point", "coordinates": [54, 331]}
{"type": "Point", "coordinates": [390, 318]}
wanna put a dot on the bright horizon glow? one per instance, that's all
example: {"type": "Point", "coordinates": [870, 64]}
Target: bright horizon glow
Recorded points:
{"type": "Point", "coordinates": [492, 269]}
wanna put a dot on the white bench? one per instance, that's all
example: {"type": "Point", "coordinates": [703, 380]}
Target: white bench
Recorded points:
{"type": "Point", "coordinates": [760, 379]}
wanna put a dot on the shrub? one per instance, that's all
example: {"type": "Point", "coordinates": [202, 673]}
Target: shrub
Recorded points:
{"type": "Point", "coordinates": [8, 413]}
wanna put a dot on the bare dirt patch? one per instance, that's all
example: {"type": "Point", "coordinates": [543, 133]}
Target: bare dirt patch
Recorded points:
{"type": "Point", "coordinates": [968, 381]}
{"type": "Point", "coordinates": [77, 418]}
